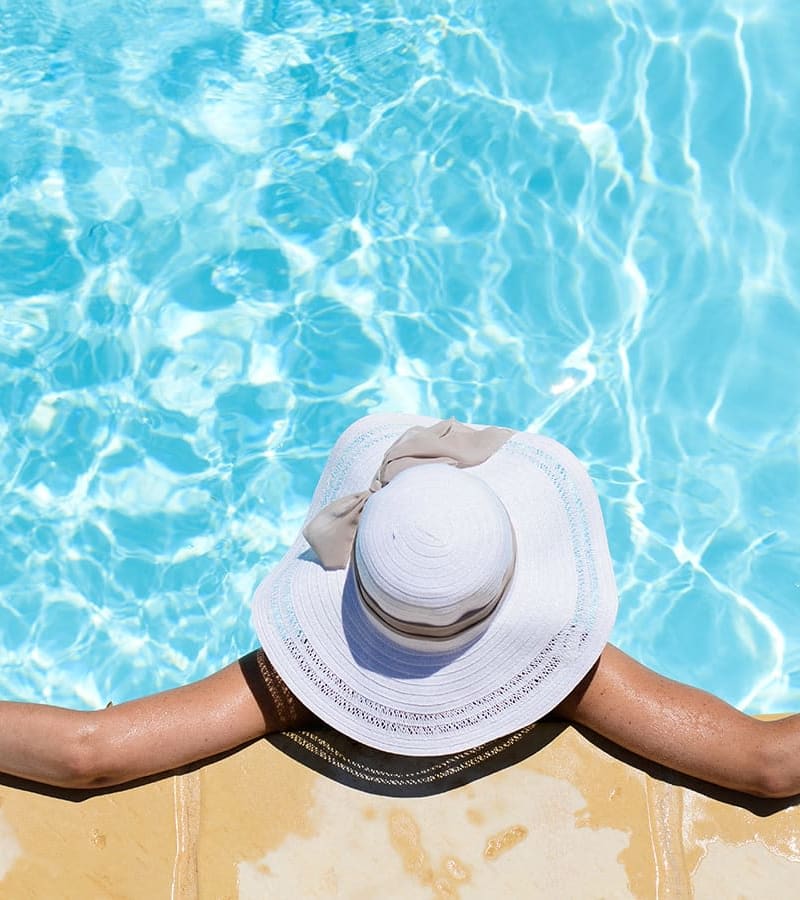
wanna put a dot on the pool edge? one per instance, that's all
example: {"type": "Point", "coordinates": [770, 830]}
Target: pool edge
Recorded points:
{"type": "Point", "coordinates": [574, 819]}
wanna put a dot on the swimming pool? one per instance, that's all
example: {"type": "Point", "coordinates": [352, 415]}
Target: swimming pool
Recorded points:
{"type": "Point", "coordinates": [227, 229]}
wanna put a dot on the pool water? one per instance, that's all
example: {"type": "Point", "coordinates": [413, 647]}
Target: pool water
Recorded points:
{"type": "Point", "coordinates": [229, 228]}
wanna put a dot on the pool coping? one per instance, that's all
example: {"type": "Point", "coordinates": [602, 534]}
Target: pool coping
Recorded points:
{"type": "Point", "coordinates": [577, 818]}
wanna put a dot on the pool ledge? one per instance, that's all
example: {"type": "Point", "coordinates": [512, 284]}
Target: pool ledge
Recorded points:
{"type": "Point", "coordinates": [575, 819]}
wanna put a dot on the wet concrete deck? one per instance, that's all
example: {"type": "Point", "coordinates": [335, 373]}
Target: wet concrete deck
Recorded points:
{"type": "Point", "coordinates": [574, 819]}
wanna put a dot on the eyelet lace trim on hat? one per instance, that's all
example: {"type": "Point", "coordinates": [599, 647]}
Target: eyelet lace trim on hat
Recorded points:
{"type": "Point", "coordinates": [454, 719]}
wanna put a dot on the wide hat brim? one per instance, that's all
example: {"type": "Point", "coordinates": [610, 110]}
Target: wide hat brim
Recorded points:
{"type": "Point", "coordinates": [542, 639]}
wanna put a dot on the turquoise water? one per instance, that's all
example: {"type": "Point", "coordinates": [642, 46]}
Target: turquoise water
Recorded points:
{"type": "Point", "coordinates": [227, 229]}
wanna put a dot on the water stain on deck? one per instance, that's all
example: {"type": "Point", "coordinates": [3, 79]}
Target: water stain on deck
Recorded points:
{"type": "Point", "coordinates": [503, 841]}
{"type": "Point", "coordinates": [405, 838]}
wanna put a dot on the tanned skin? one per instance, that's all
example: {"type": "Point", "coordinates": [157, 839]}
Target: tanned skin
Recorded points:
{"type": "Point", "coordinates": [669, 723]}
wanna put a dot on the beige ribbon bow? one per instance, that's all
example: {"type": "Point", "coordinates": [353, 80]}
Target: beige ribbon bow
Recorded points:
{"type": "Point", "coordinates": [332, 531]}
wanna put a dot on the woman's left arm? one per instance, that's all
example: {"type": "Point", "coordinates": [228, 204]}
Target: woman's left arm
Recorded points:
{"type": "Point", "coordinates": [685, 728]}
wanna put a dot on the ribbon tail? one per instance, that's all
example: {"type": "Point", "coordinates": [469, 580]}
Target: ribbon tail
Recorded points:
{"type": "Point", "coordinates": [331, 532]}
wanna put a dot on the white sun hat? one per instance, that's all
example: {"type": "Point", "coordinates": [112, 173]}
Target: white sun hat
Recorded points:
{"type": "Point", "coordinates": [478, 592]}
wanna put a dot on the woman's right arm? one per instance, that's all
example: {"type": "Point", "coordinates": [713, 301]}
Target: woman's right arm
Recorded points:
{"type": "Point", "coordinates": [73, 749]}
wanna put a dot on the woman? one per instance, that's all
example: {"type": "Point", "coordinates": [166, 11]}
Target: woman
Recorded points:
{"type": "Point", "coordinates": [452, 584]}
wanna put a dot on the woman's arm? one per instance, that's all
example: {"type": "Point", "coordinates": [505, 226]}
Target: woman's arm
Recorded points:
{"type": "Point", "coordinates": [67, 748]}
{"type": "Point", "coordinates": [664, 721]}
{"type": "Point", "coordinates": [685, 728]}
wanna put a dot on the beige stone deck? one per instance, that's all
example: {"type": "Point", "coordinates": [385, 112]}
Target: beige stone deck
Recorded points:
{"type": "Point", "coordinates": [569, 821]}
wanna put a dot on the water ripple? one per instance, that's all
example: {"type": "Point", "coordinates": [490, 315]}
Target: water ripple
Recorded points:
{"type": "Point", "coordinates": [229, 228]}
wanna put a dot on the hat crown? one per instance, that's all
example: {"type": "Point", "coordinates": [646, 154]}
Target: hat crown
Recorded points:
{"type": "Point", "coordinates": [434, 548]}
